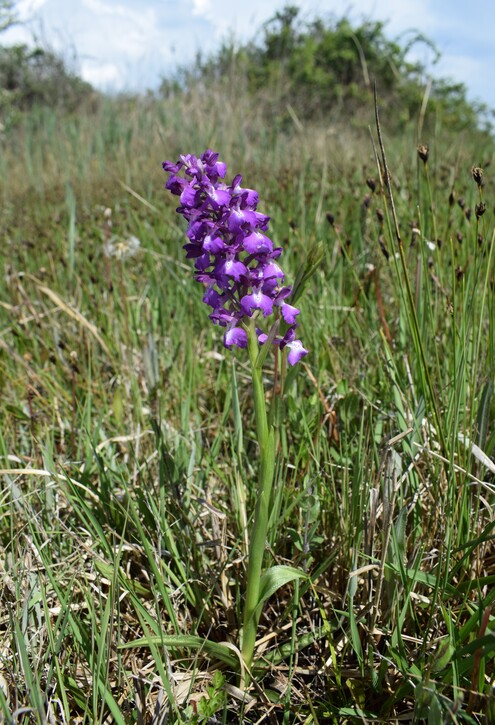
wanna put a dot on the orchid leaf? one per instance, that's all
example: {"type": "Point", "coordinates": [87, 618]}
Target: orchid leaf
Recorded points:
{"type": "Point", "coordinates": [275, 578]}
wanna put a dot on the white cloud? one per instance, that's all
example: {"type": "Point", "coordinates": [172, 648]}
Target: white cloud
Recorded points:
{"type": "Point", "coordinates": [16, 35]}
{"type": "Point", "coordinates": [116, 10]}
{"type": "Point", "coordinates": [465, 69]}
{"type": "Point", "coordinates": [26, 8]}
{"type": "Point", "coordinates": [102, 75]}
{"type": "Point", "coordinates": [399, 16]}
{"type": "Point", "coordinates": [201, 7]}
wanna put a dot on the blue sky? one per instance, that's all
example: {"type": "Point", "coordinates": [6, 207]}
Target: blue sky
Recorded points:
{"type": "Point", "coordinates": [129, 44]}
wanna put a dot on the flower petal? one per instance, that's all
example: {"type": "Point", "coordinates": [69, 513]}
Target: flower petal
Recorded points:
{"type": "Point", "coordinates": [239, 217]}
{"type": "Point", "coordinates": [257, 243]}
{"type": "Point", "coordinates": [231, 268]}
{"type": "Point", "coordinates": [289, 313]}
{"type": "Point", "coordinates": [213, 243]}
{"type": "Point", "coordinates": [218, 197]}
{"type": "Point", "coordinates": [296, 351]}
{"type": "Point", "coordinates": [257, 301]}
{"type": "Point", "coordinates": [235, 336]}
{"type": "Point", "coordinates": [213, 298]}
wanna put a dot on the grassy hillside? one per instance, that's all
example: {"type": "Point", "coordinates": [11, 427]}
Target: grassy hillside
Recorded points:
{"type": "Point", "coordinates": [128, 447]}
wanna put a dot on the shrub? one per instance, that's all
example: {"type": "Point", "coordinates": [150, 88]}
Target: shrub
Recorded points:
{"type": "Point", "coordinates": [323, 68]}
{"type": "Point", "coordinates": [35, 76]}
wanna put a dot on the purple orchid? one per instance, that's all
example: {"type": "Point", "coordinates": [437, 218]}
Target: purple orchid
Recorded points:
{"type": "Point", "coordinates": [234, 258]}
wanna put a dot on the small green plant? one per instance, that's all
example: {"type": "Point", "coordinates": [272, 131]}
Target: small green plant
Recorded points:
{"type": "Point", "coordinates": [201, 710]}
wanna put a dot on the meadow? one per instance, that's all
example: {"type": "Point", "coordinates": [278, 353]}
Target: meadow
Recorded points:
{"type": "Point", "coordinates": [128, 454]}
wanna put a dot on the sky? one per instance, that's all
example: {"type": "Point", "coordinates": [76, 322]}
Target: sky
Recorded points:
{"type": "Point", "coordinates": [128, 45]}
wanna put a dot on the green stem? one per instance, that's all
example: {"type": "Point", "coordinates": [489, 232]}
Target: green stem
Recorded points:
{"type": "Point", "coordinates": [265, 436]}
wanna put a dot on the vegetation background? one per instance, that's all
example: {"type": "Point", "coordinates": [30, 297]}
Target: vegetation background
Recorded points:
{"type": "Point", "coordinates": [127, 456]}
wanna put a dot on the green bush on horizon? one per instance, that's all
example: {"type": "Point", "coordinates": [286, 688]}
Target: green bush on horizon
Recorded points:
{"type": "Point", "coordinates": [328, 68]}
{"type": "Point", "coordinates": [312, 69]}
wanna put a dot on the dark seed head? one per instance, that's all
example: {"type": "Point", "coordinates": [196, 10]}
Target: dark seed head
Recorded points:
{"type": "Point", "coordinates": [423, 152]}
{"type": "Point", "coordinates": [480, 209]}
{"type": "Point", "coordinates": [383, 247]}
{"type": "Point", "coordinates": [477, 173]}
{"type": "Point", "coordinates": [371, 184]}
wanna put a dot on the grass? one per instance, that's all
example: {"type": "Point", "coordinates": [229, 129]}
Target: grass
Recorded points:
{"type": "Point", "coordinates": [128, 459]}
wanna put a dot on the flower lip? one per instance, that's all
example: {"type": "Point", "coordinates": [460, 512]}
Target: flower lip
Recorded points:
{"type": "Point", "coordinates": [213, 167]}
{"type": "Point", "coordinates": [249, 196]}
{"type": "Point", "coordinates": [176, 184]}
{"type": "Point", "coordinates": [212, 298]}
{"type": "Point", "coordinates": [213, 243]}
{"type": "Point", "coordinates": [231, 268]}
{"type": "Point", "coordinates": [296, 352]}
{"type": "Point", "coordinates": [289, 313]}
{"type": "Point", "coordinates": [236, 336]}
{"type": "Point", "coordinates": [257, 301]}
{"type": "Point", "coordinates": [257, 243]}
{"type": "Point", "coordinates": [239, 218]}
